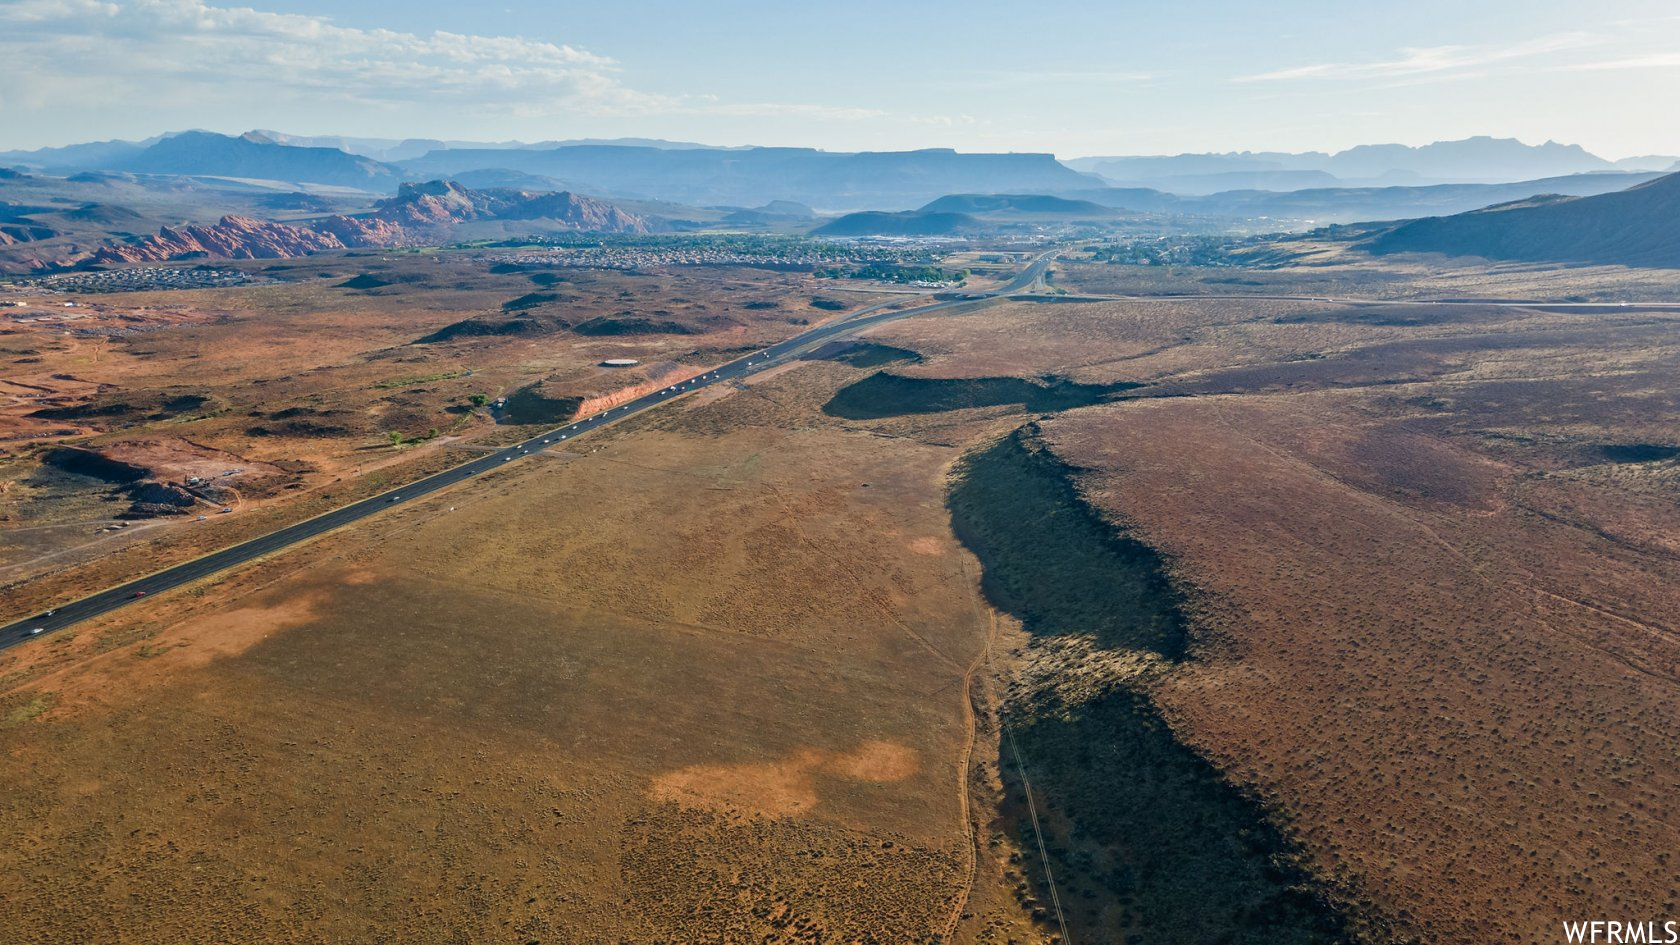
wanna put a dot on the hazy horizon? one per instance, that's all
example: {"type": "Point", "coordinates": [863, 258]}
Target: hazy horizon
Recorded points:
{"type": "Point", "coordinates": [293, 137]}
{"type": "Point", "coordinates": [1077, 81]}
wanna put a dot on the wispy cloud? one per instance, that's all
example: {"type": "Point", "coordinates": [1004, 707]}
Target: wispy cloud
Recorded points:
{"type": "Point", "coordinates": [1668, 60]}
{"type": "Point", "coordinates": [144, 49]}
{"type": "Point", "coordinates": [1436, 61]}
{"type": "Point", "coordinates": [192, 53]}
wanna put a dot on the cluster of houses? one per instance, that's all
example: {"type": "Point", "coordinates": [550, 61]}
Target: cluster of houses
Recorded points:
{"type": "Point", "coordinates": [144, 279]}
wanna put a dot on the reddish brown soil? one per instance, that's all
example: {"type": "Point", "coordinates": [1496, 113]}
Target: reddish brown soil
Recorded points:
{"type": "Point", "coordinates": [1460, 693]}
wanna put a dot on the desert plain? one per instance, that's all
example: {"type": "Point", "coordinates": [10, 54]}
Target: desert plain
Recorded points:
{"type": "Point", "coordinates": [1319, 604]}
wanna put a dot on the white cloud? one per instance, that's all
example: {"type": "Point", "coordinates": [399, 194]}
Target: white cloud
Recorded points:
{"type": "Point", "coordinates": [38, 11]}
{"type": "Point", "coordinates": [1437, 61]}
{"type": "Point", "coordinates": [190, 56]}
{"type": "Point", "coordinates": [147, 50]}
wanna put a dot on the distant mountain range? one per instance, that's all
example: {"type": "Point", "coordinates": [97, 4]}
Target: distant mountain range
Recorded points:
{"type": "Point", "coordinates": [1288, 210]}
{"type": "Point", "coordinates": [699, 175]}
{"type": "Point", "coordinates": [105, 155]}
{"type": "Point", "coordinates": [657, 171]}
{"type": "Point", "coordinates": [403, 149]}
{"type": "Point", "coordinates": [202, 154]}
{"type": "Point", "coordinates": [71, 158]}
{"type": "Point", "coordinates": [1291, 187]}
{"type": "Point", "coordinates": [1259, 209]}
{"type": "Point", "coordinates": [1639, 226]}
{"type": "Point", "coordinates": [218, 195]}
{"type": "Point", "coordinates": [822, 179]}
{"type": "Point", "coordinates": [1471, 160]}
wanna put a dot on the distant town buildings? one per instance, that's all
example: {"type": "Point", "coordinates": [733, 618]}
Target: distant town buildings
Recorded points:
{"type": "Point", "coordinates": [141, 279]}
{"type": "Point", "coordinates": [661, 252]}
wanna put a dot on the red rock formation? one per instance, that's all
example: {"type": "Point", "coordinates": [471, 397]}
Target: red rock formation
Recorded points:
{"type": "Point", "coordinates": [418, 214]}
{"type": "Point", "coordinates": [362, 231]}
{"type": "Point", "coordinates": [582, 213]}
{"type": "Point", "coordinates": [233, 237]}
{"type": "Point", "coordinates": [437, 202]}
{"type": "Point", "coordinates": [442, 203]}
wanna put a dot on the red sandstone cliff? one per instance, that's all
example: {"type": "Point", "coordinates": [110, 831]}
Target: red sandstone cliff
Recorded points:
{"type": "Point", "coordinates": [418, 214]}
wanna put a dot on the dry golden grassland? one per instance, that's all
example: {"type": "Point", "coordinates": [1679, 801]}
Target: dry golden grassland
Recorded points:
{"type": "Point", "coordinates": [706, 676]}
{"type": "Point", "coordinates": [1349, 623]}
{"type": "Point", "coordinates": [1429, 563]}
{"type": "Point", "coordinates": [1333, 269]}
{"type": "Point", "coordinates": [315, 375]}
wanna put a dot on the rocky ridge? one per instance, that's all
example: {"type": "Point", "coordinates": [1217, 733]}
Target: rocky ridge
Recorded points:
{"type": "Point", "coordinates": [419, 213]}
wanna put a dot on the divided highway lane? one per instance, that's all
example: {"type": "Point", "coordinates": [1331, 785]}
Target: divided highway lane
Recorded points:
{"type": "Point", "coordinates": [23, 630]}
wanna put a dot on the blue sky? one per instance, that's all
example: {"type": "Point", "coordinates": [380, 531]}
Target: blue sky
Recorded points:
{"type": "Point", "coordinates": [1078, 78]}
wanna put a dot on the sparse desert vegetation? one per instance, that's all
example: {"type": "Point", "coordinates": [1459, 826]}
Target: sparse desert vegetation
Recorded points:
{"type": "Point", "coordinates": [1254, 619]}
{"type": "Point", "coordinates": [1154, 495]}
{"type": "Point", "coordinates": [324, 363]}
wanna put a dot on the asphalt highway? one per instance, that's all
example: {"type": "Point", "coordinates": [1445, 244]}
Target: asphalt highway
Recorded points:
{"type": "Point", "coordinates": [65, 615]}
